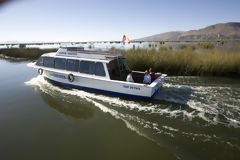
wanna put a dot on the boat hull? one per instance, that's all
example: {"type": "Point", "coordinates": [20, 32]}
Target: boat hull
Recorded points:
{"type": "Point", "coordinates": [96, 84]}
{"type": "Point", "coordinates": [95, 90]}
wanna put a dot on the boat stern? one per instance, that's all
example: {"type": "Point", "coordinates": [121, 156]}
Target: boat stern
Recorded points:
{"type": "Point", "coordinates": [157, 84]}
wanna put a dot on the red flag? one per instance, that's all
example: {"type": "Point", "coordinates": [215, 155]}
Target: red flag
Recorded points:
{"type": "Point", "coordinates": [128, 40]}
{"type": "Point", "coordinates": [124, 38]}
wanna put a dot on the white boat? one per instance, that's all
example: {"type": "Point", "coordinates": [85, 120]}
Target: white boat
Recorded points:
{"type": "Point", "coordinates": [98, 71]}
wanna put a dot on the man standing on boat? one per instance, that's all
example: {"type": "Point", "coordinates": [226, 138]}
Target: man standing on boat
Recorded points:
{"type": "Point", "coordinates": [147, 78]}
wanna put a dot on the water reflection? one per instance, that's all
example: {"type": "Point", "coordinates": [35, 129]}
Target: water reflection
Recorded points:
{"type": "Point", "coordinates": [68, 106]}
{"type": "Point", "coordinates": [13, 59]}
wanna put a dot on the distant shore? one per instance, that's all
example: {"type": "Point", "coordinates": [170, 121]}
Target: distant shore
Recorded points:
{"type": "Point", "coordinates": [24, 53]}
{"type": "Point", "coordinates": [184, 61]}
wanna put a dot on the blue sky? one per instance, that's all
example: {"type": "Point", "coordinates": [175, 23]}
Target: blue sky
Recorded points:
{"type": "Point", "coordinates": [97, 20]}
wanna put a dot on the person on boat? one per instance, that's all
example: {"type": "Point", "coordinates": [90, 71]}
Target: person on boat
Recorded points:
{"type": "Point", "coordinates": [152, 74]}
{"type": "Point", "coordinates": [129, 77]}
{"type": "Point", "coordinates": [147, 78]}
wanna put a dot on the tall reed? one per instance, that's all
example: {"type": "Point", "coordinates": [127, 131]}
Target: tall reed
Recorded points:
{"type": "Point", "coordinates": [28, 53]}
{"type": "Point", "coordinates": [179, 61]}
{"type": "Point", "coordinates": [184, 61]}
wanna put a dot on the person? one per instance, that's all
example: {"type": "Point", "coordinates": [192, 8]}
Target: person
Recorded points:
{"type": "Point", "coordinates": [129, 77]}
{"type": "Point", "coordinates": [152, 74]}
{"type": "Point", "coordinates": [147, 78]}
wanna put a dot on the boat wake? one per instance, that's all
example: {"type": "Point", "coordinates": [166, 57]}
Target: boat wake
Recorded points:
{"type": "Point", "coordinates": [189, 112]}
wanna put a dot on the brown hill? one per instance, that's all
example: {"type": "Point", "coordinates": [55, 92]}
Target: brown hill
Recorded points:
{"type": "Point", "coordinates": [168, 36]}
{"type": "Point", "coordinates": [221, 31]}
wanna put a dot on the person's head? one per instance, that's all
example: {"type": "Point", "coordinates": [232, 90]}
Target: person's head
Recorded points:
{"type": "Point", "coordinates": [129, 72]}
{"type": "Point", "coordinates": [146, 72]}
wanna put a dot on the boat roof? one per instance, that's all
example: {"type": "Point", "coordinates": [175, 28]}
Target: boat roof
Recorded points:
{"type": "Point", "coordinates": [54, 55]}
{"type": "Point", "coordinates": [80, 53]}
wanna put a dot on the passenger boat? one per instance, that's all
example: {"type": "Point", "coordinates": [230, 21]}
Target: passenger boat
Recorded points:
{"type": "Point", "coordinates": [98, 71]}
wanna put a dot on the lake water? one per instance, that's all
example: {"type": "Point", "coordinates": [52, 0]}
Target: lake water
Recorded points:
{"type": "Point", "coordinates": [190, 118]}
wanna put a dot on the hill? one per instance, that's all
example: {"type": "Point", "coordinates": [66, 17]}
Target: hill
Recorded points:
{"type": "Point", "coordinates": [221, 31]}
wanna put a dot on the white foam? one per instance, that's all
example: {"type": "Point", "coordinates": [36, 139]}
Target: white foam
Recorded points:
{"type": "Point", "coordinates": [31, 64]}
{"type": "Point", "coordinates": [170, 128]}
{"type": "Point", "coordinates": [206, 100]}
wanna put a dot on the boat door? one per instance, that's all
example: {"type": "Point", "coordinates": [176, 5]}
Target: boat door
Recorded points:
{"type": "Point", "coordinates": [123, 67]}
{"type": "Point", "coordinates": [117, 69]}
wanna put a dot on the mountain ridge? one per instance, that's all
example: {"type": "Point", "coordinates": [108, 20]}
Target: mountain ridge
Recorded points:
{"type": "Point", "coordinates": [220, 31]}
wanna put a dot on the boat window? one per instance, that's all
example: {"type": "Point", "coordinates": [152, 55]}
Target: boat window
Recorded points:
{"type": "Point", "coordinates": [40, 62]}
{"type": "Point", "coordinates": [48, 62]}
{"type": "Point", "coordinates": [60, 63]}
{"type": "Point", "coordinates": [100, 69]}
{"type": "Point", "coordinates": [72, 65]}
{"type": "Point", "coordinates": [91, 67]}
{"type": "Point", "coordinates": [87, 67]}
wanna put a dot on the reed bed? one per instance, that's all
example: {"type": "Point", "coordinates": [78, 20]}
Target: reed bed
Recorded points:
{"type": "Point", "coordinates": [185, 61]}
{"type": "Point", "coordinates": [26, 53]}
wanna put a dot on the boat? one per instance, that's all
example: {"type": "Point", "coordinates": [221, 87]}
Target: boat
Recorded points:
{"type": "Point", "coordinates": [97, 71]}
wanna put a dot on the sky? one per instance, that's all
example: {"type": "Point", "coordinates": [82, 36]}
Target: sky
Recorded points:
{"type": "Point", "coordinates": [108, 20]}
